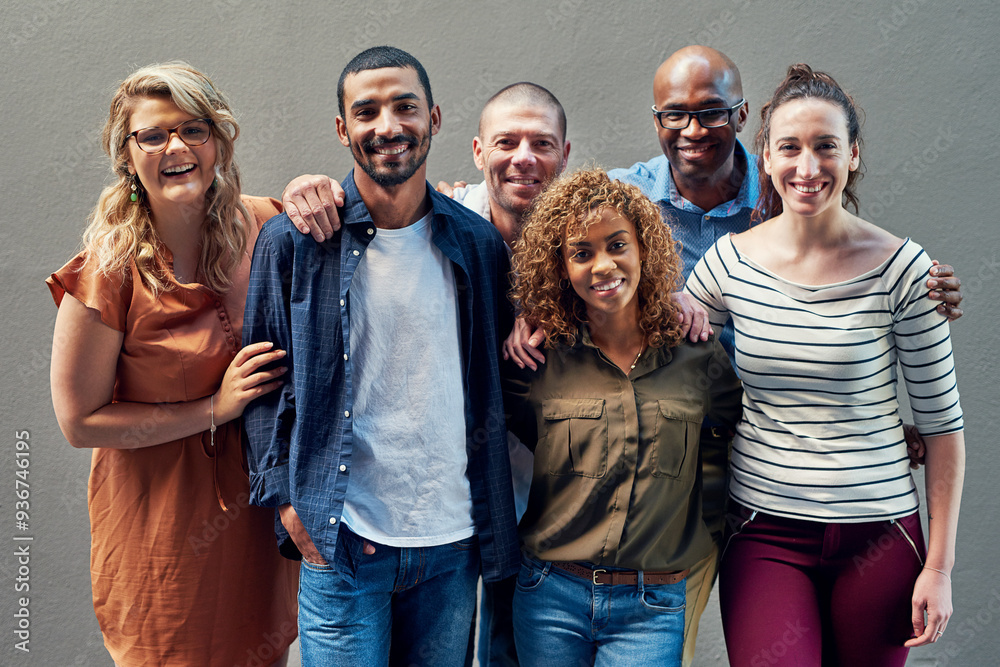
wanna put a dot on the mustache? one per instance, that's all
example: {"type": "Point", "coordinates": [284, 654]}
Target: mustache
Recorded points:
{"type": "Point", "coordinates": [370, 145]}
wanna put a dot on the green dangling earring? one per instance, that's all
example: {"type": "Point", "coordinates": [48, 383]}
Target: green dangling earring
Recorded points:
{"type": "Point", "coordinates": [134, 196]}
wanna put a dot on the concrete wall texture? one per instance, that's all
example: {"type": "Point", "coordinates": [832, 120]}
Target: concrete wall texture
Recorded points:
{"type": "Point", "coordinates": [925, 72]}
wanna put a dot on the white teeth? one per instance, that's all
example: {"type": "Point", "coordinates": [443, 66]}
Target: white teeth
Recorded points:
{"type": "Point", "coordinates": [523, 181]}
{"type": "Point", "coordinates": [390, 151]}
{"type": "Point", "coordinates": [806, 188]}
{"type": "Point", "coordinates": [608, 286]}
{"type": "Point", "coordinates": [178, 169]}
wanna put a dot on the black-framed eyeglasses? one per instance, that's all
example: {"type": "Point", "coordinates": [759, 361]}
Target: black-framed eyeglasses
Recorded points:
{"type": "Point", "coordinates": [678, 119]}
{"type": "Point", "coordinates": [154, 140]}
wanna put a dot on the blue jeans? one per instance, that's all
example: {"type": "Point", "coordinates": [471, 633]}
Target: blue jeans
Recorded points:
{"type": "Point", "coordinates": [398, 606]}
{"type": "Point", "coordinates": [561, 619]}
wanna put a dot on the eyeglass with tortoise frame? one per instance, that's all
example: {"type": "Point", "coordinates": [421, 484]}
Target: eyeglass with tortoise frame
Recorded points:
{"type": "Point", "coordinates": [678, 119]}
{"type": "Point", "coordinates": [154, 140]}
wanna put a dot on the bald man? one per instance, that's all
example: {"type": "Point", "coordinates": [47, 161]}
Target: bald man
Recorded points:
{"type": "Point", "coordinates": [521, 146]}
{"type": "Point", "coordinates": [705, 184]}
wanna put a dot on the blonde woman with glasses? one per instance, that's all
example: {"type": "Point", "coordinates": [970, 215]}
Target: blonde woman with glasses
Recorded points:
{"type": "Point", "coordinates": [148, 372]}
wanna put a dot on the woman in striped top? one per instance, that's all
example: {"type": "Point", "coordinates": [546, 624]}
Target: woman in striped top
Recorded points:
{"type": "Point", "coordinates": [826, 562]}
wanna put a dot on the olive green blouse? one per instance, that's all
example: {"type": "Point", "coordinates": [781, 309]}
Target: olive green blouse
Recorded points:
{"type": "Point", "coordinates": [617, 479]}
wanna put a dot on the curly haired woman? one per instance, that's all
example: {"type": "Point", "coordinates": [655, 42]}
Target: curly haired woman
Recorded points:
{"type": "Point", "coordinates": [614, 513]}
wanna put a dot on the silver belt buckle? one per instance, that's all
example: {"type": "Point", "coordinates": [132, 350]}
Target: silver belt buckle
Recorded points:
{"type": "Point", "coordinates": [597, 572]}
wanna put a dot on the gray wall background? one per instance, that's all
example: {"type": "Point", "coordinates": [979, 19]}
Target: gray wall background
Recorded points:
{"type": "Point", "coordinates": [925, 71]}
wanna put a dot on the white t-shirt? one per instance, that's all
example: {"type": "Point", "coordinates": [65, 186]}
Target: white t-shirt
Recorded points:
{"type": "Point", "coordinates": [408, 485]}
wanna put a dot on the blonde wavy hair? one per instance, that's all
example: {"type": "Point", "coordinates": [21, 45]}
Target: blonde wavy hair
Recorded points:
{"type": "Point", "coordinates": [120, 230]}
{"type": "Point", "coordinates": [565, 210]}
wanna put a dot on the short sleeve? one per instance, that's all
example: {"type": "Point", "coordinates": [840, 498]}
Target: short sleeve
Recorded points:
{"type": "Point", "coordinates": [110, 296]}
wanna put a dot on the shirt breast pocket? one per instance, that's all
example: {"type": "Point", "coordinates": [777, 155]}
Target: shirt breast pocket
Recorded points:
{"type": "Point", "coordinates": [675, 439]}
{"type": "Point", "coordinates": [576, 436]}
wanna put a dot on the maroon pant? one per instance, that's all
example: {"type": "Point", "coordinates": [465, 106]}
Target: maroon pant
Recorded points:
{"type": "Point", "coordinates": [805, 593]}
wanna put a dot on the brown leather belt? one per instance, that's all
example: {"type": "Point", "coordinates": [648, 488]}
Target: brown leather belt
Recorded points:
{"type": "Point", "coordinates": [602, 577]}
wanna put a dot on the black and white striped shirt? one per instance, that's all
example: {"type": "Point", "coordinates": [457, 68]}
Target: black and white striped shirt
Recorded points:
{"type": "Point", "coordinates": [821, 437]}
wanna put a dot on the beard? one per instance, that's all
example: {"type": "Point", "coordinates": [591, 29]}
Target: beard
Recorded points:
{"type": "Point", "coordinates": [395, 174]}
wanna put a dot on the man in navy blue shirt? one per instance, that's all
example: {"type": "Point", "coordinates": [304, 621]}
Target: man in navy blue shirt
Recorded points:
{"type": "Point", "coordinates": [385, 452]}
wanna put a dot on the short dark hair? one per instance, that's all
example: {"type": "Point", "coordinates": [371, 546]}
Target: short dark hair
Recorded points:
{"type": "Point", "coordinates": [801, 83]}
{"type": "Point", "coordinates": [528, 94]}
{"type": "Point", "coordinates": [379, 57]}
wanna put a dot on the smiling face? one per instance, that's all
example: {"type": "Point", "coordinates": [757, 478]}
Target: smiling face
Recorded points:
{"type": "Point", "coordinates": [180, 175]}
{"type": "Point", "coordinates": [519, 150]}
{"type": "Point", "coordinates": [388, 124]}
{"type": "Point", "coordinates": [604, 265]}
{"type": "Point", "coordinates": [698, 156]}
{"type": "Point", "coordinates": [809, 156]}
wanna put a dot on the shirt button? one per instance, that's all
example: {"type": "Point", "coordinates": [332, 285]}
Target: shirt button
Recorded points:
{"type": "Point", "coordinates": [356, 253]}
{"type": "Point", "coordinates": [347, 413]}
{"type": "Point", "coordinates": [343, 468]}
{"type": "Point", "coordinates": [371, 231]}
{"type": "Point", "coordinates": [707, 217]}
{"type": "Point", "coordinates": [345, 357]}
{"type": "Point", "coordinates": [333, 520]}
{"type": "Point", "coordinates": [343, 303]}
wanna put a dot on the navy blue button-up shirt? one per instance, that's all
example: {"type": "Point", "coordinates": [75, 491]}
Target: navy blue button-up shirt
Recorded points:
{"type": "Point", "coordinates": [300, 436]}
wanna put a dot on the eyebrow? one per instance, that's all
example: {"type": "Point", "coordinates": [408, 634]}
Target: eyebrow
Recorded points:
{"type": "Point", "coordinates": [607, 238]}
{"type": "Point", "coordinates": [531, 133]}
{"type": "Point", "coordinates": [397, 98]}
{"type": "Point", "coordinates": [822, 137]}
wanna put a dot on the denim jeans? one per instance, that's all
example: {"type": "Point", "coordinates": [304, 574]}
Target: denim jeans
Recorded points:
{"type": "Point", "coordinates": [398, 606]}
{"type": "Point", "coordinates": [561, 619]}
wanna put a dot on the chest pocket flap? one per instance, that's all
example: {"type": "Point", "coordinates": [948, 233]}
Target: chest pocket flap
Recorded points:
{"type": "Point", "coordinates": [576, 436]}
{"type": "Point", "coordinates": [676, 439]}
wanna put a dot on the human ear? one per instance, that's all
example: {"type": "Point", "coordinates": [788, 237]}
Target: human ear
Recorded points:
{"type": "Point", "coordinates": [435, 120]}
{"type": "Point", "coordinates": [741, 116]}
{"type": "Point", "coordinates": [477, 153]}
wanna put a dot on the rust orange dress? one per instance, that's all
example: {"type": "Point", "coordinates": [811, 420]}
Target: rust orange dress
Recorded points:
{"type": "Point", "coordinates": [177, 580]}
